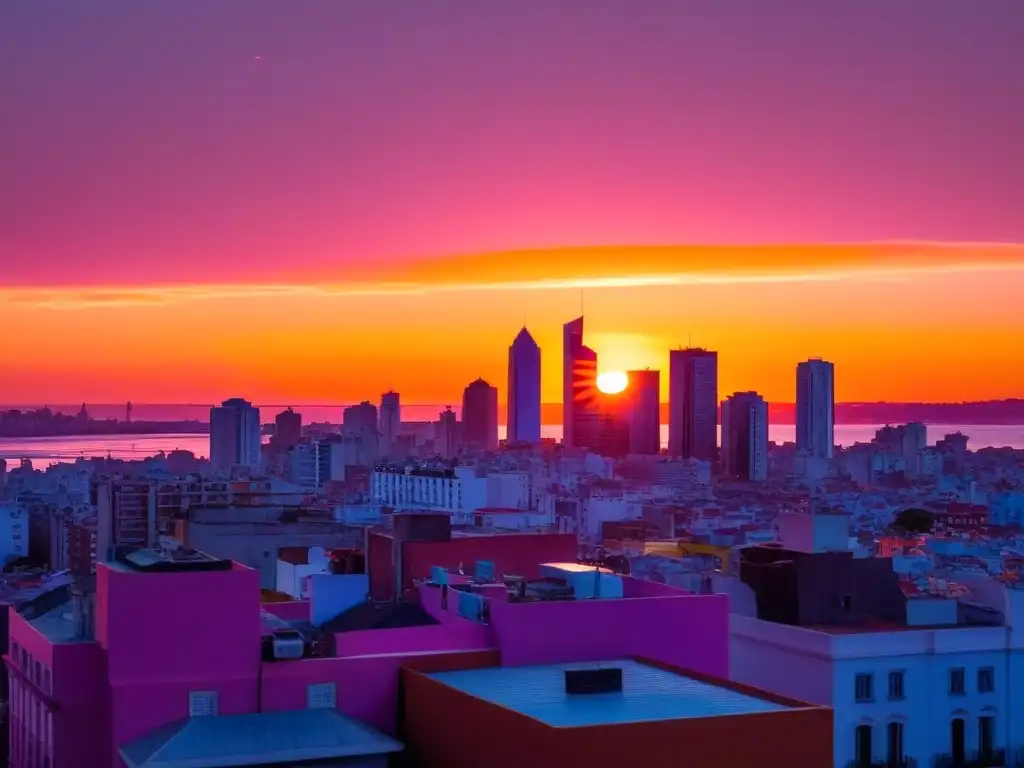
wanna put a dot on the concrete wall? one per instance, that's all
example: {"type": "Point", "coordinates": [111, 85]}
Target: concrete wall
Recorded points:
{"type": "Point", "coordinates": [256, 544]}
{"type": "Point", "coordinates": [688, 631]}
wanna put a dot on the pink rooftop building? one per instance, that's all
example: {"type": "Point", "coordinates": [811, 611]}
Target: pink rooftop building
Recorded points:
{"type": "Point", "coordinates": [167, 660]}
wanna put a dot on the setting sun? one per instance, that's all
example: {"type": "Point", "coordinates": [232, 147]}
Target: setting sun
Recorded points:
{"type": "Point", "coordinates": [612, 382]}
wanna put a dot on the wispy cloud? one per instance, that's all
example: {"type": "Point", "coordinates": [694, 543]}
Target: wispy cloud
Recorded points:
{"type": "Point", "coordinates": [574, 269]}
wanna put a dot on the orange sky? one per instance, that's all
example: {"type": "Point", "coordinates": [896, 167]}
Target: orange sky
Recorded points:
{"type": "Point", "coordinates": [911, 322]}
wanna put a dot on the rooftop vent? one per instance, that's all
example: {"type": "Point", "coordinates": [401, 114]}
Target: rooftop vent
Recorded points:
{"type": "Point", "coordinates": [583, 681]}
{"type": "Point", "coordinates": [288, 644]}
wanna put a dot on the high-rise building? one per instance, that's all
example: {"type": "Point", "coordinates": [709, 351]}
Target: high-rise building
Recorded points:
{"type": "Point", "coordinates": [523, 415]}
{"type": "Point", "coordinates": [580, 416]}
{"type": "Point", "coordinates": [359, 434]}
{"type": "Point", "coordinates": [644, 411]}
{"type": "Point", "coordinates": [480, 416]}
{"type": "Point", "coordinates": [815, 408]}
{"type": "Point", "coordinates": [361, 419]}
{"type": "Point", "coordinates": [745, 436]}
{"type": "Point", "coordinates": [390, 421]}
{"type": "Point", "coordinates": [235, 439]}
{"type": "Point", "coordinates": [693, 404]}
{"type": "Point", "coordinates": [446, 433]}
{"type": "Point", "coordinates": [906, 440]}
{"type": "Point", "coordinates": [287, 429]}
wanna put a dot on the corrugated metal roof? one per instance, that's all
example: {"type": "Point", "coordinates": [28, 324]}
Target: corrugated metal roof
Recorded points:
{"type": "Point", "coordinates": [258, 739]}
{"type": "Point", "coordinates": [648, 694]}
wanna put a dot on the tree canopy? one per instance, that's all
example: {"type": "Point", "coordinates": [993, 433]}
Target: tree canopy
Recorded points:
{"type": "Point", "coordinates": [914, 520]}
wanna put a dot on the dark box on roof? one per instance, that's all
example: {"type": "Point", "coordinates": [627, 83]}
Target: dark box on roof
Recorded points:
{"type": "Point", "coordinates": [581, 681]}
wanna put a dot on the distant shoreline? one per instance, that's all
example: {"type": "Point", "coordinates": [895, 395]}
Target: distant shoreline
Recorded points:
{"type": "Point", "coordinates": [155, 419]}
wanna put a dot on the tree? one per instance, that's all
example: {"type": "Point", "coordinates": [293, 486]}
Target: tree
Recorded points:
{"type": "Point", "coordinates": [914, 520]}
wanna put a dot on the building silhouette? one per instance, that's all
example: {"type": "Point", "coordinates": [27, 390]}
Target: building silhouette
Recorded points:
{"type": "Point", "coordinates": [235, 435]}
{"type": "Point", "coordinates": [523, 408]}
{"type": "Point", "coordinates": [287, 429]}
{"type": "Point", "coordinates": [644, 417]}
{"type": "Point", "coordinates": [693, 404]}
{"type": "Point", "coordinates": [480, 416]}
{"type": "Point", "coordinates": [745, 437]}
{"type": "Point", "coordinates": [815, 408]}
{"type": "Point", "coordinates": [390, 421]}
{"type": "Point", "coordinates": [580, 428]}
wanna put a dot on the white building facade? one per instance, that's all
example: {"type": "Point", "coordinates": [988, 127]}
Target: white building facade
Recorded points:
{"type": "Point", "coordinates": [926, 694]}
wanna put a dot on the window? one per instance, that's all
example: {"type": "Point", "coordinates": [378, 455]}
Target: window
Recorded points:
{"type": "Point", "coordinates": [863, 688]}
{"type": "Point", "coordinates": [322, 696]}
{"type": "Point", "coordinates": [986, 680]}
{"type": "Point", "coordinates": [895, 752]}
{"type": "Point", "coordinates": [896, 685]}
{"type": "Point", "coordinates": [847, 603]}
{"type": "Point", "coordinates": [956, 681]}
{"type": "Point", "coordinates": [862, 746]}
{"type": "Point", "coordinates": [16, 653]}
{"type": "Point", "coordinates": [986, 737]}
{"type": "Point", "coordinates": [202, 703]}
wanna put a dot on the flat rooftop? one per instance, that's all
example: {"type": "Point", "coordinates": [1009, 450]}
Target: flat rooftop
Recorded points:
{"type": "Point", "coordinates": [648, 694]}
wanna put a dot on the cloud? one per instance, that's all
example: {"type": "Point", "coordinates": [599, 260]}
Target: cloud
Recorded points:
{"type": "Point", "coordinates": [574, 268]}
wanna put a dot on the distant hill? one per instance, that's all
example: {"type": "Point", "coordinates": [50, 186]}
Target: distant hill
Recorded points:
{"type": "Point", "coordinates": [983, 412]}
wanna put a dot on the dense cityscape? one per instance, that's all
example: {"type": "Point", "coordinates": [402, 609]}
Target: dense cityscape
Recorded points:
{"type": "Point", "coordinates": [863, 595]}
{"type": "Point", "coordinates": [560, 384]}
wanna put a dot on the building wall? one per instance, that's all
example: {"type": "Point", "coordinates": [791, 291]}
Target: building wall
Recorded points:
{"type": "Point", "coordinates": [434, 716]}
{"type": "Point", "coordinates": [164, 638]}
{"type": "Point", "coordinates": [692, 631]}
{"type": "Point", "coordinates": [511, 554]}
{"type": "Point", "coordinates": [54, 703]}
{"type": "Point", "coordinates": [256, 544]}
{"type": "Point", "coordinates": [367, 685]}
{"type": "Point", "coordinates": [822, 668]}
{"type": "Point", "coordinates": [462, 635]}
{"type": "Point", "coordinates": [14, 532]}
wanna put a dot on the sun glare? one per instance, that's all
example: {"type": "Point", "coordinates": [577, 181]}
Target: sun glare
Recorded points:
{"type": "Point", "coordinates": [612, 382]}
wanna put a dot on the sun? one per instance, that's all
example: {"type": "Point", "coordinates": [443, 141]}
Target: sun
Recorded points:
{"type": "Point", "coordinates": [612, 382]}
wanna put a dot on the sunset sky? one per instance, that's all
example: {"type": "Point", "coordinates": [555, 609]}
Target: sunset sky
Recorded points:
{"type": "Point", "coordinates": [317, 201]}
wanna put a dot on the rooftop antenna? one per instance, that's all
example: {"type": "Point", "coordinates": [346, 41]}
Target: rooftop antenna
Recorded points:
{"type": "Point", "coordinates": [582, 291]}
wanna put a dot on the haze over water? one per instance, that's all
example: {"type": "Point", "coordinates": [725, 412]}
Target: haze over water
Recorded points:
{"type": "Point", "coordinates": [44, 451]}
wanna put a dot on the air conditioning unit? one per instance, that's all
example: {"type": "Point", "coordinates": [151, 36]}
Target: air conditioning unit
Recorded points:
{"type": "Point", "coordinates": [288, 644]}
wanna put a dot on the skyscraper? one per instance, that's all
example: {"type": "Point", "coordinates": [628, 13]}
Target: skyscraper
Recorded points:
{"type": "Point", "coordinates": [815, 408]}
{"type": "Point", "coordinates": [644, 411]}
{"type": "Point", "coordinates": [390, 421]}
{"type": "Point", "coordinates": [579, 389]}
{"type": "Point", "coordinates": [523, 415]}
{"type": "Point", "coordinates": [235, 435]}
{"type": "Point", "coordinates": [693, 404]}
{"type": "Point", "coordinates": [480, 416]}
{"type": "Point", "coordinates": [745, 436]}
